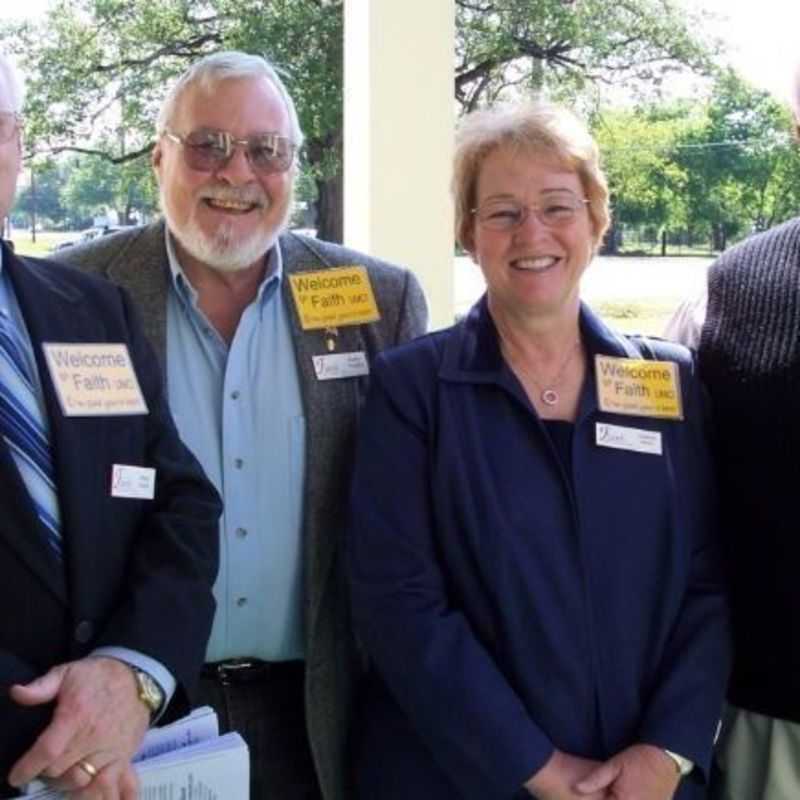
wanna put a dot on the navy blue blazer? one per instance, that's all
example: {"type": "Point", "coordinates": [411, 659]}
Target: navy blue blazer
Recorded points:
{"type": "Point", "coordinates": [510, 607]}
{"type": "Point", "coordinates": [136, 573]}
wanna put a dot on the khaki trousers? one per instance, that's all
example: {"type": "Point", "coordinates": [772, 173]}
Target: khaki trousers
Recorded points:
{"type": "Point", "coordinates": [758, 758]}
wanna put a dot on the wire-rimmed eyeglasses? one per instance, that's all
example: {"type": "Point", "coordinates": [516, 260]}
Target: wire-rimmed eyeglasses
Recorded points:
{"type": "Point", "coordinates": [555, 210]}
{"type": "Point", "coordinates": [207, 150]}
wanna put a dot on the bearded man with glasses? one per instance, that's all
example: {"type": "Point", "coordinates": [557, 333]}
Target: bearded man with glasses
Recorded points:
{"type": "Point", "coordinates": [266, 394]}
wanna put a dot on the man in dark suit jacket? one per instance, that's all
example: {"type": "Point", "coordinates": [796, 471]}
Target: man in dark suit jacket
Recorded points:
{"type": "Point", "coordinates": [745, 325]}
{"type": "Point", "coordinates": [105, 621]}
{"type": "Point", "coordinates": [214, 286]}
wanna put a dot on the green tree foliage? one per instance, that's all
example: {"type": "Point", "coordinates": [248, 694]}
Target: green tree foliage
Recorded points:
{"type": "Point", "coordinates": [95, 186]}
{"type": "Point", "coordinates": [71, 192]}
{"type": "Point", "coordinates": [98, 69]}
{"type": "Point", "coordinates": [741, 163]}
{"type": "Point", "coordinates": [567, 45]}
{"type": "Point", "coordinates": [716, 169]}
{"type": "Point", "coordinates": [648, 186]}
{"type": "Point", "coordinates": [39, 200]}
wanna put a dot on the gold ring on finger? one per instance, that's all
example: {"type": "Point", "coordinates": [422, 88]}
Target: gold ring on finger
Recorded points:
{"type": "Point", "coordinates": [89, 768]}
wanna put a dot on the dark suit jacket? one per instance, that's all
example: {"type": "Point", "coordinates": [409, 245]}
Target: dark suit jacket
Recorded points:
{"type": "Point", "coordinates": [137, 260]}
{"type": "Point", "coordinates": [137, 573]}
{"type": "Point", "coordinates": [513, 602]}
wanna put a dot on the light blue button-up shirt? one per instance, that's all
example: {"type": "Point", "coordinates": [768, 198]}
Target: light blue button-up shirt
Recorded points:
{"type": "Point", "coordinates": [239, 409]}
{"type": "Point", "coordinates": [9, 308]}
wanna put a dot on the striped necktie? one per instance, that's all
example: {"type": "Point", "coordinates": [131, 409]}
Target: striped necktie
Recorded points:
{"type": "Point", "coordinates": [24, 429]}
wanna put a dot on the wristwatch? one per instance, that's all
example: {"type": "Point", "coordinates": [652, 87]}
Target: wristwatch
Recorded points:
{"type": "Point", "coordinates": [150, 693]}
{"type": "Point", "coordinates": [683, 765]}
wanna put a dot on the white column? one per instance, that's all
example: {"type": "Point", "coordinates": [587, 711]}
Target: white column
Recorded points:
{"type": "Point", "coordinates": [398, 138]}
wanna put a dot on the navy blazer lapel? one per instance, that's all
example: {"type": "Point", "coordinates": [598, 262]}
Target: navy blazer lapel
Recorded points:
{"type": "Point", "coordinates": [598, 339]}
{"type": "Point", "coordinates": [472, 353]}
{"type": "Point", "coordinates": [21, 530]}
{"type": "Point", "coordinates": [42, 299]}
{"type": "Point", "coordinates": [602, 340]}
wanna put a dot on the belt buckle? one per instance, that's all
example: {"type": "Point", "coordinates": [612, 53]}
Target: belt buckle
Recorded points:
{"type": "Point", "coordinates": [235, 670]}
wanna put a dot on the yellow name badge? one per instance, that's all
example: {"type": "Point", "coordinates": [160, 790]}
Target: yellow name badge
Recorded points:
{"type": "Point", "coordinates": [639, 387]}
{"type": "Point", "coordinates": [94, 380]}
{"type": "Point", "coordinates": [332, 297]}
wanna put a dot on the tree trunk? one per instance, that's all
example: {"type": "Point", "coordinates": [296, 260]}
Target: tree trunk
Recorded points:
{"type": "Point", "coordinates": [330, 209]}
{"type": "Point", "coordinates": [129, 198]}
{"type": "Point", "coordinates": [610, 244]}
{"type": "Point", "coordinates": [33, 205]}
{"type": "Point", "coordinates": [718, 234]}
{"type": "Point", "coordinates": [329, 206]}
{"type": "Point", "coordinates": [663, 242]}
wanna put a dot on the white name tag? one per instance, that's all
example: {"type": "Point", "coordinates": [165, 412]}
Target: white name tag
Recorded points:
{"type": "Point", "coordinates": [94, 380]}
{"type": "Point", "coordinates": [340, 365]}
{"type": "Point", "coordinates": [135, 483]}
{"type": "Point", "coordinates": [636, 439]}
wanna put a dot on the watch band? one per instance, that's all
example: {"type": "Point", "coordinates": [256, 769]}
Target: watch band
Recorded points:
{"type": "Point", "coordinates": [150, 692]}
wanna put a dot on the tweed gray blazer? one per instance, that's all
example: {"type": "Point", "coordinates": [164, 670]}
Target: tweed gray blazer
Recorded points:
{"type": "Point", "coordinates": [137, 261]}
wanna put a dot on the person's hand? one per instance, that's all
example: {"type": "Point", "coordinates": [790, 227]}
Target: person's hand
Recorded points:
{"type": "Point", "coordinates": [556, 780]}
{"type": "Point", "coordinates": [97, 725]}
{"type": "Point", "coordinates": [640, 772]}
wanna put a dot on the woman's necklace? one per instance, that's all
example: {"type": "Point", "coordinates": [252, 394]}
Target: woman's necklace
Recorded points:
{"type": "Point", "coordinates": [549, 392]}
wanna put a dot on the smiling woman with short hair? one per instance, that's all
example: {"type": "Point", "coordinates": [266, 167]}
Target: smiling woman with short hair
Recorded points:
{"type": "Point", "coordinates": [533, 557]}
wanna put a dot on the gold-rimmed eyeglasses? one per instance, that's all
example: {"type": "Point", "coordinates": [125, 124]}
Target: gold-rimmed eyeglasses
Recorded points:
{"type": "Point", "coordinates": [207, 150]}
{"type": "Point", "coordinates": [555, 210]}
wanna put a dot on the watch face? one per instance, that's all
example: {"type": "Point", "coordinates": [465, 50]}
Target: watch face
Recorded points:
{"type": "Point", "coordinates": [150, 692]}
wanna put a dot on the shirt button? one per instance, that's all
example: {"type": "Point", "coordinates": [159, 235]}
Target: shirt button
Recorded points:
{"type": "Point", "coordinates": [84, 631]}
{"type": "Point", "coordinates": [241, 602]}
{"type": "Point", "coordinates": [235, 394]}
{"type": "Point", "coordinates": [241, 532]}
{"type": "Point", "coordinates": [238, 463]}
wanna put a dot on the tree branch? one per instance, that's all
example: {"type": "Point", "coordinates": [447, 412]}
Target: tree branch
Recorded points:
{"type": "Point", "coordinates": [124, 159]}
{"type": "Point", "coordinates": [186, 48]}
{"type": "Point", "coordinates": [481, 9]}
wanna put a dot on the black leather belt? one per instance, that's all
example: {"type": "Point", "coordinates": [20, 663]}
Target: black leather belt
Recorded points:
{"type": "Point", "coordinates": [234, 671]}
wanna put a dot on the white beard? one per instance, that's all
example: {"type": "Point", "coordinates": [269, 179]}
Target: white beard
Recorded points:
{"type": "Point", "coordinates": [224, 251]}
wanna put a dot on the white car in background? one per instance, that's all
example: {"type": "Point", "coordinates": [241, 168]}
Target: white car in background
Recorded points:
{"type": "Point", "coordinates": [91, 233]}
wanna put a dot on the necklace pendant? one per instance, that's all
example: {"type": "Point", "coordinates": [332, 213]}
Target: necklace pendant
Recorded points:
{"type": "Point", "coordinates": [549, 397]}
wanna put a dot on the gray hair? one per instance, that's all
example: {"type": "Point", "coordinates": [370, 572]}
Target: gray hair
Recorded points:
{"type": "Point", "coordinates": [11, 79]}
{"type": "Point", "coordinates": [228, 64]}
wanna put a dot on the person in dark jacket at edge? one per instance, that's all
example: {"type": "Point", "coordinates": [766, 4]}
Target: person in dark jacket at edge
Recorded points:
{"type": "Point", "coordinates": [108, 528]}
{"type": "Point", "coordinates": [745, 325]}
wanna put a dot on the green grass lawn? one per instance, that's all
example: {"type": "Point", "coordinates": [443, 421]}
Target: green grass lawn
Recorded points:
{"type": "Point", "coordinates": [673, 251]}
{"type": "Point", "coordinates": [45, 241]}
{"type": "Point", "coordinates": [648, 316]}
